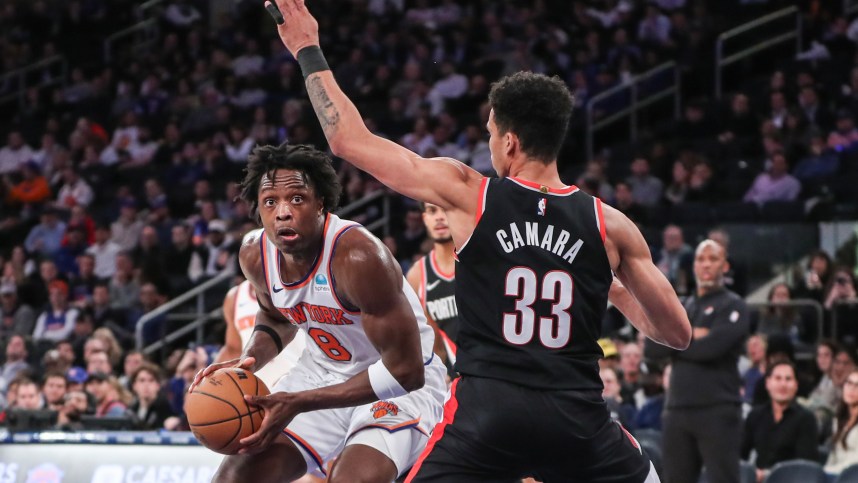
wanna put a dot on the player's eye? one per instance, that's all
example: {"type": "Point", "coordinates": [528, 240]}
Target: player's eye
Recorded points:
{"type": "Point", "coordinates": [297, 199]}
{"type": "Point", "coordinates": [268, 202]}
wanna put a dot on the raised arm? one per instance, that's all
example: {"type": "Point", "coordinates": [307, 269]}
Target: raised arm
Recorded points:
{"type": "Point", "coordinates": [645, 295]}
{"type": "Point", "coordinates": [445, 182]}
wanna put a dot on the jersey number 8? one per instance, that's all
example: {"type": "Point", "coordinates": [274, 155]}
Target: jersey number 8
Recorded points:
{"type": "Point", "coordinates": [518, 327]}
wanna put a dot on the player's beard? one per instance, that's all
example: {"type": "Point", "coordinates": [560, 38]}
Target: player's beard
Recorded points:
{"type": "Point", "coordinates": [443, 240]}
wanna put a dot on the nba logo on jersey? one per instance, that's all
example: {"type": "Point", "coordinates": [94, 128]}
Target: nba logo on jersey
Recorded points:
{"type": "Point", "coordinates": [321, 284]}
{"type": "Point", "coordinates": [540, 207]}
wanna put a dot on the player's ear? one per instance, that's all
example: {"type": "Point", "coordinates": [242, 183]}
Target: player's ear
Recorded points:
{"type": "Point", "coordinates": [511, 143]}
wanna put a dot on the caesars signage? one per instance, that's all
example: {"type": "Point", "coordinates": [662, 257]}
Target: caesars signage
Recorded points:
{"type": "Point", "coordinates": [106, 463]}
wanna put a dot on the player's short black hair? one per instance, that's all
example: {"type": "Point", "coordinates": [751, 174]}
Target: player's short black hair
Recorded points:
{"type": "Point", "coordinates": [314, 164]}
{"type": "Point", "coordinates": [535, 107]}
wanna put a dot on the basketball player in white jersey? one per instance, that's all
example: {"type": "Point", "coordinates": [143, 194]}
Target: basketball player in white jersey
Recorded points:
{"type": "Point", "coordinates": [368, 387]}
{"type": "Point", "coordinates": [239, 312]}
{"type": "Point", "coordinates": [433, 277]}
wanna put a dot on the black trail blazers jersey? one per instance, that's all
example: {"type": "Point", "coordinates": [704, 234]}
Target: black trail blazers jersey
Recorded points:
{"type": "Point", "coordinates": [438, 295]}
{"type": "Point", "coordinates": [532, 287]}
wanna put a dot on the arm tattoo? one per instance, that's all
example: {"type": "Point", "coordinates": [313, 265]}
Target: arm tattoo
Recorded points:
{"type": "Point", "coordinates": [325, 109]}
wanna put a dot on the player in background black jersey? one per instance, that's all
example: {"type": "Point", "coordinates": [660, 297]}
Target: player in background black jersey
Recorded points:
{"type": "Point", "coordinates": [433, 277]}
{"type": "Point", "coordinates": [538, 257]}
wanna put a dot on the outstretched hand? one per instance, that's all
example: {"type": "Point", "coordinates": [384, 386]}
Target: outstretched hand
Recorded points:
{"type": "Point", "coordinates": [297, 28]}
{"type": "Point", "coordinates": [247, 364]}
{"type": "Point", "coordinates": [279, 409]}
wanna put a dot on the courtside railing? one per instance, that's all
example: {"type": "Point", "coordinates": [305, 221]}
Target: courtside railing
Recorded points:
{"type": "Point", "coordinates": [762, 24]}
{"type": "Point", "coordinates": [142, 36]}
{"type": "Point", "coordinates": [43, 73]}
{"type": "Point", "coordinates": [642, 91]}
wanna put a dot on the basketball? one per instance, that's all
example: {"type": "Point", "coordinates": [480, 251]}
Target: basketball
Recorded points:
{"type": "Point", "coordinates": [217, 413]}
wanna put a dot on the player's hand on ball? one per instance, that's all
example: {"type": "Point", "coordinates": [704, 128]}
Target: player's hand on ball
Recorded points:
{"type": "Point", "coordinates": [299, 29]}
{"type": "Point", "coordinates": [279, 409]}
{"type": "Point", "coordinates": [246, 364]}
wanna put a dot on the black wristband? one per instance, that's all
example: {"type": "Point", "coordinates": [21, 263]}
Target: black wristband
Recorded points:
{"type": "Point", "coordinates": [273, 333]}
{"type": "Point", "coordinates": [312, 60]}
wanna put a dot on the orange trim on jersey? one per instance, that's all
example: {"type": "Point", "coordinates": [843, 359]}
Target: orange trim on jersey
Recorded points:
{"type": "Point", "coordinates": [600, 219]}
{"type": "Point", "coordinates": [330, 273]}
{"type": "Point", "coordinates": [481, 201]}
{"type": "Point", "coordinates": [301, 442]}
{"type": "Point", "coordinates": [437, 267]}
{"type": "Point", "coordinates": [538, 187]}
{"type": "Point", "coordinates": [309, 276]}
{"type": "Point", "coordinates": [413, 424]}
{"type": "Point", "coordinates": [449, 414]}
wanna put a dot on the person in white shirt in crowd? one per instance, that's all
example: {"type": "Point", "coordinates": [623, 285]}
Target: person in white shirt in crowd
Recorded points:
{"type": "Point", "coordinates": [75, 191]}
{"type": "Point", "coordinates": [844, 443]}
{"type": "Point", "coordinates": [216, 254]}
{"type": "Point", "coordinates": [451, 85]}
{"type": "Point", "coordinates": [57, 322]}
{"type": "Point", "coordinates": [15, 153]}
{"type": "Point", "coordinates": [104, 250]}
{"type": "Point", "coordinates": [125, 231]}
{"type": "Point", "coordinates": [776, 184]}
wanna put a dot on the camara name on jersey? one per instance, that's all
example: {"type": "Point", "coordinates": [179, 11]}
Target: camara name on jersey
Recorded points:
{"type": "Point", "coordinates": [536, 236]}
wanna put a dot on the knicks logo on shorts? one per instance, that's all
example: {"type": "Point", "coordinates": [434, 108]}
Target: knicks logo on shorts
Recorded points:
{"type": "Point", "coordinates": [383, 408]}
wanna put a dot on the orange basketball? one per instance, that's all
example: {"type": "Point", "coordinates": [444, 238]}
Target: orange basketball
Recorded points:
{"type": "Point", "coordinates": [217, 412]}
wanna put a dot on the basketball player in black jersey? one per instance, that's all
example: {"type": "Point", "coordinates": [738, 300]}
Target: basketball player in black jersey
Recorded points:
{"type": "Point", "coordinates": [433, 277]}
{"type": "Point", "coordinates": [533, 280]}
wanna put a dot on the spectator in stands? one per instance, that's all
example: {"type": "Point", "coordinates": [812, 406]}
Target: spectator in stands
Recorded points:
{"type": "Point", "coordinates": [149, 257]}
{"type": "Point", "coordinates": [177, 259]}
{"type": "Point", "coordinates": [125, 231]}
{"type": "Point", "coordinates": [756, 354]}
{"type": "Point", "coordinates": [150, 299]}
{"type": "Point", "coordinates": [815, 113]}
{"type": "Point", "coordinates": [630, 365]}
{"type": "Point", "coordinates": [646, 188]}
{"type": "Point", "coordinates": [701, 185]}
{"type": "Point", "coordinates": [16, 362]}
{"type": "Point", "coordinates": [740, 128]}
{"type": "Point", "coordinates": [45, 238]}
{"type": "Point", "coordinates": [776, 184]}
{"type": "Point", "coordinates": [15, 153]}
{"type": "Point", "coordinates": [110, 397]}
{"type": "Point", "coordinates": [189, 363]}
{"type": "Point", "coordinates": [150, 408]}
{"type": "Point", "coordinates": [105, 315]}
{"type": "Point", "coordinates": [812, 283]}
{"type": "Point", "coordinates": [621, 410]}
{"type": "Point", "coordinates": [132, 361]}
{"type": "Point", "coordinates": [781, 430]}
{"type": "Point", "coordinates": [655, 388]}
{"type": "Point", "coordinates": [54, 386]}
{"type": "Point", "coordinates": [111, 345]}
{"type": "Point", "coordinates": [654, 28]}
{"type": "Point", "coordinates": [780, 319]}
{"type": "Point", "coordinates": [625, 202]}
{"type": "Point", "coordinates": [74, 246]}
{"type": "Point", "coordinates": [678, 188]}
{"type": "Point", "coordinates": [216, 254]}
{"type": "Point", "coordinates": [820, 162]}
{"type": "Point", "coordinates": [841, 288]}
{"type": "Point", "coordinates": [82, 285]}
{"type": "Point", "coordinates": [124, 288]}
{"type": "Point", "coordinates": [74, 191]}
{"type": "Point", "coordinates": [675, 259]}
{"type": "Point", "coordinates": [845, 136]}
{"type": "Point", "coordinates": [844, 444]}
{"type": "Point", "coordinates": [57, 322]}
{"type": "Point", "coordinates": [104, 252]}
{"type": "Point", "coordinates": [28, 395]}
{"type": "Point", "coordinates": [98, 362]}
{"type": "Point", "coordinates": [31, 191]}
{"type": "Point", "coordinates": [75, 404]}
{"type": "Point", "coordinates": [15, 317]}
{"type": "Point", "coordinates": [841, 304]}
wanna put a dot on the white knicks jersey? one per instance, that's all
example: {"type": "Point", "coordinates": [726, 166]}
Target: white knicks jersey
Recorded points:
{"type": "Point", "coordinates": [336, 341]}
{"type": "Point", "coordinates": [244, 318]}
